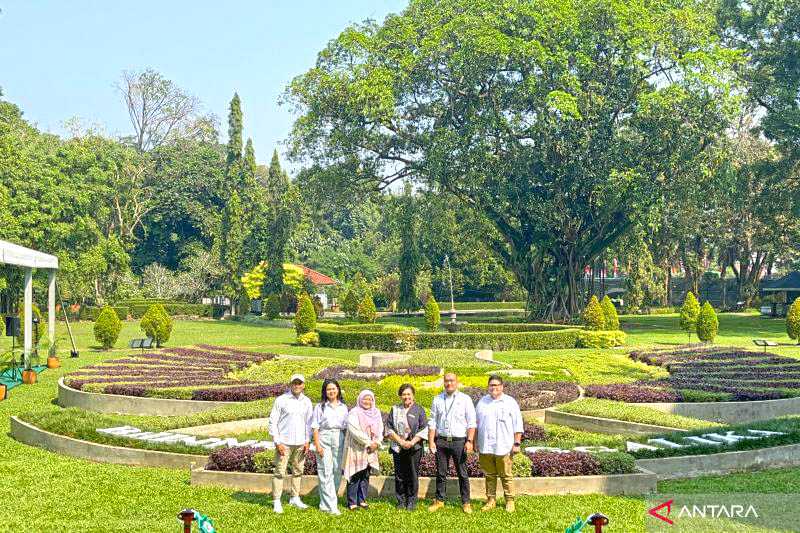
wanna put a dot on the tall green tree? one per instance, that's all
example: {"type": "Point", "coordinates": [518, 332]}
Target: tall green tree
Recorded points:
{"type": "Point", "coordinates": [282, 198]}
{"type": "Point", "coordinates": [409, 253]}
{"type": "Point", "coordinates": [234, 133]}
{"type": "Point", "coordinates": [231, 243]}
{"type": "Point", "coordinates": [511, 106]}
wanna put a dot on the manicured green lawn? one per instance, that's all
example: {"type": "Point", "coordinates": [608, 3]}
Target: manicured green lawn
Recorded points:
{"type": "Point", "coordinates": [50, 492]}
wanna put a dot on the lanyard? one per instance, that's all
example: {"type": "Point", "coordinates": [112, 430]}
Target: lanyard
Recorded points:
{"type": "Point", "coordinates": [448, 409]}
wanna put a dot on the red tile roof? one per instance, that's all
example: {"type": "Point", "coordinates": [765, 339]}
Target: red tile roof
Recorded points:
{"type": "Point", "coordinates": [317, 278]}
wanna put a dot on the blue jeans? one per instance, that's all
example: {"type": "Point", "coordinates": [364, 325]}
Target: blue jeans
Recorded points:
{"type": "Point", "coordinates": [357, 488]}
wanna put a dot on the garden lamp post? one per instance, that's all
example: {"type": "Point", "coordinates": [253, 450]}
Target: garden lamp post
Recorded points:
{"type": "Point", "coordinates": [452, 303]}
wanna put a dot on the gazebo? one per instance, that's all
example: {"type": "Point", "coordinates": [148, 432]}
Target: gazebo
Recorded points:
{"type": "Point", "coordinates": [27, 259]}
{"type": "Point", "coordinates": [789, 286]}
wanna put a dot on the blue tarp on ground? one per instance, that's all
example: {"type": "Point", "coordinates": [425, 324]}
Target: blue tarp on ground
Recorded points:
{"type": "Point", "coordinates": [11, 379]}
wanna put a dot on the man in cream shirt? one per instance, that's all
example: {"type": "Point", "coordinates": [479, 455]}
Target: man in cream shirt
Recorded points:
{"type": "Point", "coordinates": [499, 437]}
{"type": "Point", "coordinates": [289, 426]}
{"type": "Point", "coordinates": [451, 434]}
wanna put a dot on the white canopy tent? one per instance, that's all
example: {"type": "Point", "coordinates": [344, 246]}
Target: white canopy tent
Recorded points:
{"type": "Point", "coordinates": [16, 255]}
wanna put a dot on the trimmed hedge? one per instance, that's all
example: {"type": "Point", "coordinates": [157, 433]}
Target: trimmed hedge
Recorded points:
{"type": "Point", "coordinates": [137, 310]}
{"type": "Point", "coordinates": [472, 306]}
{"type": "Point", "coordinates": [408, 339]}
{"type": "Point", "coordinates": [91, 313]}
{"type": "Point", "coordinates": [481, 327]}
{"type": "Point", "coordinates": [600, 339]}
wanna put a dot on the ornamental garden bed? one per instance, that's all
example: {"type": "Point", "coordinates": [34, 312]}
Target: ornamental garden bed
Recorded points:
{"type": "Point", "coordinates": [217, 374]}
{"type": "Point", "coordinates": [708, 374]}
{"type": "Point", "coordinates": [521, 336]}
{"type": "Point", "coordinates": [537, 464]}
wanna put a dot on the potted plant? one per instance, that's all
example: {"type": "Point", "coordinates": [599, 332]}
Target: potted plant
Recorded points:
{"type": "Point", "coordinates": [52, 359]}
{"type": "Point", "coordinates": [28, 374]}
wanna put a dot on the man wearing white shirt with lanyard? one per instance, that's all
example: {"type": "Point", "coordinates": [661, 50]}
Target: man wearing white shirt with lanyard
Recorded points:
{"type": "Point", "coordinates": [451, 434]}
{"type": "Point", "coordinates": [499, 437]}
{"type": "Point", "coordinates": [289, 427]}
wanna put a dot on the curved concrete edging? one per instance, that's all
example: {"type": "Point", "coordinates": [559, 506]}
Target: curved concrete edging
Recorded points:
{"type": "Point", "coordinates": [642, 482]}
{"type": "Point", "coordinates": [603, 425]}
{"type": "Point", "coordinates": [102, 453]}
{"type": "Point", "coordinates": [731, 412]}
{"type": "Point", "coordinates": [682, 466]}
{"type": "Point", "coordinates": [133, 405]}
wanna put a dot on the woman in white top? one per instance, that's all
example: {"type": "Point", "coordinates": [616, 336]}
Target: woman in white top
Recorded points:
{"type": "Point", "coordinates": [328, 423]}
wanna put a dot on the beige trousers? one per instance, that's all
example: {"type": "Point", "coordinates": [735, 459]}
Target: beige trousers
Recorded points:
{"type": "Point", "coordinates": [294, 460]}
{"type": "Point", "coordinates": [497, 466]}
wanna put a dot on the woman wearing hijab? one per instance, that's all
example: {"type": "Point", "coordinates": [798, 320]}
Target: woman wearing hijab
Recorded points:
{"type": "Point", "coordinates": [328, 424]}
{"type": "Point", "coordinates": [406, 428]}
{"type": "Point", "coordinates": [364, 435]}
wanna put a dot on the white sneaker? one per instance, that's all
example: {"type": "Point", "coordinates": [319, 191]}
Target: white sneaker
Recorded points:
{"type": "Point", "coordinates": [277, 507]}
{"type": "Point", "coordinates": [335, 512]}
{"type": "Point", "coordinates": [297, 502]}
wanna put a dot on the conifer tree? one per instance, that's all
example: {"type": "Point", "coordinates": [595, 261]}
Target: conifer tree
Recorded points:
{"type": "Point", "coordinates": [793, 321]}
{"type": "Point", "coordinates": [689, 313]}
{"type": "Point", "coordinates": [707, 323]}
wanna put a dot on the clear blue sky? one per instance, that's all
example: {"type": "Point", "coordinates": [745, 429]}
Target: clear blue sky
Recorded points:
{"type": "Point", "coordinates": [61, 59]}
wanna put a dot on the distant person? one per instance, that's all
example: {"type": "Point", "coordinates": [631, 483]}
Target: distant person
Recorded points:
{"type": "Point", "coordinates": [289, 424]}
{"type": "Point", "coordinates": [406, 427]}
{"type": "Point", "coordinates": [328, 426]}
{"type": "Point", "coordinates": [499, 438]}
{"type": "Point", "coordinates": [451, 435]}
{"type": "Point", "coordinates": [364, 436]}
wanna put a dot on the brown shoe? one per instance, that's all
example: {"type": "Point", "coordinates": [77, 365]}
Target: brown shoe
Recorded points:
{"type": "Point", "coordinates": [435, 506]}
{"type": "Point", "coordinates": [510, 507]}
{"type": "Point", "coordinates": [467, 507]}
{"type": "Point", "coordinates": [490, 504]}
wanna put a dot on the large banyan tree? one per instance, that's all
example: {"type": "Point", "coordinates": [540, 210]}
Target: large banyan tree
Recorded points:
{"type": "Point", "coordinates": [562, 122]}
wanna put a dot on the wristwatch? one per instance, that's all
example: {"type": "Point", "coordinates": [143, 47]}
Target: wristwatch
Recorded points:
{"type": "Point", "coordinates": [517, 444]}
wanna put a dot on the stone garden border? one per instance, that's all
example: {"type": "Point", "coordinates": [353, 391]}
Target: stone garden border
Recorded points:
{"type": "Point", "coordinates": [642, 482]}
{"type": "Point", "coordinates": [682, 466]}
{"type": "Point", "coordinates": [731, 412]}
{"type": "Point", "coordinates": [608, 426]}
{"type": "Point", "coordinates": [101, 453]}
{"type": "Point", "coordinates": [133, 405]}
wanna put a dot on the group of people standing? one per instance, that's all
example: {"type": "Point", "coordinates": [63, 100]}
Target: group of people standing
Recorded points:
{"type": "Point", "coordinates": [346, 442]}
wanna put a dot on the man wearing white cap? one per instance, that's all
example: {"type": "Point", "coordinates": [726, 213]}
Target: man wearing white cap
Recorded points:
{"type": "Point", "coordinates": [289, 426]}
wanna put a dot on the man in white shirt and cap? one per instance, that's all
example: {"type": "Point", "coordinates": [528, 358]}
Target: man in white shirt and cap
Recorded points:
{"type": "Point", "coordinates": [289, 427]}
{"type": "Point", "coordinates": [499, 438]}
{"type": "Point", "coordinates": [451, 435]}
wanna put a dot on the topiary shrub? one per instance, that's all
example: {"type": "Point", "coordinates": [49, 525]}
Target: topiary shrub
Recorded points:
{"type": "Point", "coordinates": [432, 316]}
{"type": "Point", "coordinates": [157, 324]}
{"type": "Point", "coordinates": [793, 321]}
{"type": "Point", "coordinates": [305, 320]}
{"type": "Point", "coordinates": [308, 339]}
{"type": "Point", "coordinates": [690, 310]}
{"type": "Point", "coordinates": [600, 339]}
{"type": "Point", "coordinates": [367, 313]}
{"type": "Point", "coordinates": [350, 304]}
{"type": "Point", "coordinates": [610, 314]}
{"type": "Point", "coordinates": [593, 315]}
{"type": "Point", "coordinates": [107, 328]}
{"type": "Point", "coordinates": [272, 307]}
{"type": "Point", "coordinates": [707, 323]}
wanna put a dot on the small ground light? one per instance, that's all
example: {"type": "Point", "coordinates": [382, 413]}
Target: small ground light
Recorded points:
{"type": "Point", "coordinates": [598, 521]}
{"type": "Point", "coordinates": [187, 517]}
